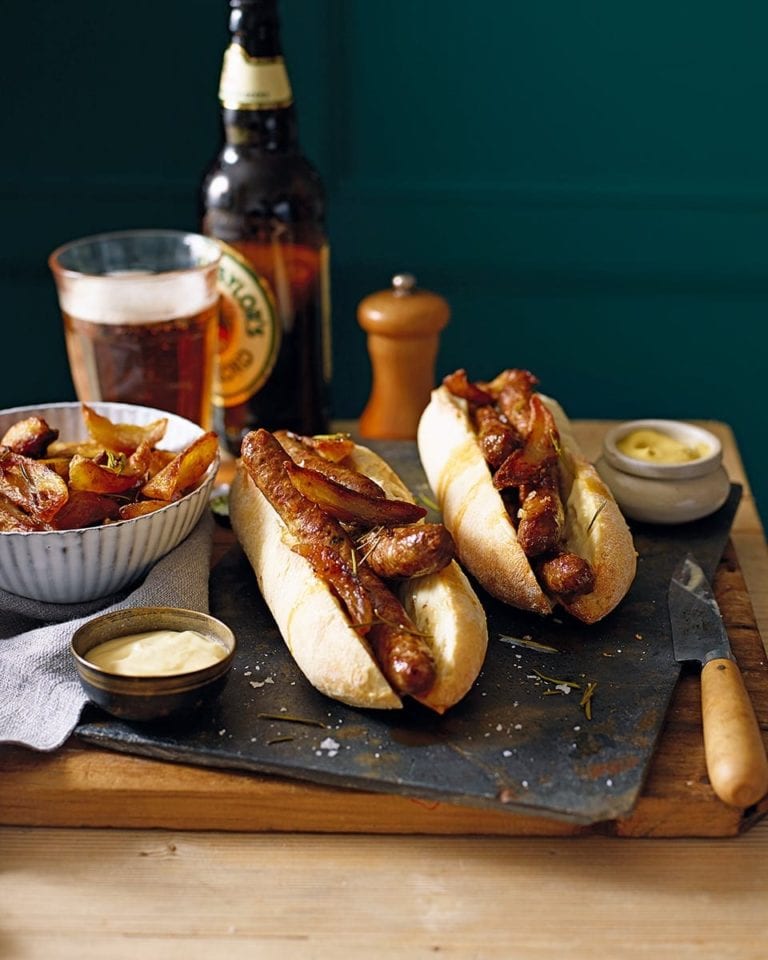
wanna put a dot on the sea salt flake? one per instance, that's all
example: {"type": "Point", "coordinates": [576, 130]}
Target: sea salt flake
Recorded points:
{"type": "Point", "coordinates": [330, 745]}
{"type": "Point", "coordinates": [563, 687]}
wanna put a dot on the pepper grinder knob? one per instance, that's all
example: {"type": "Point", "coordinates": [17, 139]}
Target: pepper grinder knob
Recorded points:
{"type": "Point", "coordinates": [403, 325]}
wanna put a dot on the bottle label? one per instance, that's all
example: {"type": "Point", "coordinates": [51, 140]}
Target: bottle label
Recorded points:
{"type": "Point", "coordinates": [249, 330]}
{"type": "Point", "coordinates": [253, 83]}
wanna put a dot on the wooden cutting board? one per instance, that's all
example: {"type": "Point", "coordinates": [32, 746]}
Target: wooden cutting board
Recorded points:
{"type": "Point", "coordinates": [80, 785]}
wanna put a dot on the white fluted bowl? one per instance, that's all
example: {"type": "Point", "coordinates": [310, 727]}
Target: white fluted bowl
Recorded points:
{"type": "Point", "coordinates": [72, 566]}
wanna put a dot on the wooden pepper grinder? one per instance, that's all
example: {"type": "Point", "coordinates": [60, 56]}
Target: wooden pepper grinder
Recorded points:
{"type": "Point", "coordinates": [403, 326]}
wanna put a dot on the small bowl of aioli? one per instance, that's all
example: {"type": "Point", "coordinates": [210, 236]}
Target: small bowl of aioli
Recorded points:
{"type": "Point", "coordinates": [153, 663]}
{"type": "Point", "coordinates": [664, 471]}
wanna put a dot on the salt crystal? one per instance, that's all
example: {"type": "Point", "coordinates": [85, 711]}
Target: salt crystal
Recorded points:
{"type": "Point", "coordinates": [330, 745]}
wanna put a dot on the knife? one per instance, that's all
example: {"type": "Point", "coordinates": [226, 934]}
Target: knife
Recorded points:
{"type": "Point", "coordinates": [733, 745]}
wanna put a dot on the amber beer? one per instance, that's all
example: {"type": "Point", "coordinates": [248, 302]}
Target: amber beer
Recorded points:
{"type": "Point", "coordinates": [143, 337]}
{"type": "Point", "coordinates": [265, 203]}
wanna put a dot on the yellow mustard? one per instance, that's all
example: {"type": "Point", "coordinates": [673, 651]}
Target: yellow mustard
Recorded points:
{"type": "Point", "coordinates": [156, 653]}
{"type": "Point", "coordinates": [654, 446]}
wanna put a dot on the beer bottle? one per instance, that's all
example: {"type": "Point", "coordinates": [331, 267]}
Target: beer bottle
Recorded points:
{"type": "Point", "coordinates": [264, 201]}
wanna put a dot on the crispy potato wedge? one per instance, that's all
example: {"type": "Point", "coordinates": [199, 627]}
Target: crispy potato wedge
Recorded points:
{"type": "Point", "coordinates": [14, 520]}
{"type": "Point", "coordinates": [29, 485]}
{"type": "Point", "coordinates": [140, 508]}
{"type": "Point", "coordinates": [159, 460]}
{"type": "Point", "coordinates": [332, 446]}
{"type": "Point", "coordinates": [348, 505]}
{"type": "Point", "coordinates": [66, 449]}
{"type": "Point", "coordinates": [117, 474]}
{"type": "Point", "coordinates": [88, 475]}
{"type": "Point", "coordinates": [122, 437]}
{"type": "Point", "coordinates": [29, 437]}
{"type": "Point", "coordinates": [85, 509]}
{"type": "Point", "coordinates": [183, 471]}
{"type": "Point", "coordinates": [59, 465]}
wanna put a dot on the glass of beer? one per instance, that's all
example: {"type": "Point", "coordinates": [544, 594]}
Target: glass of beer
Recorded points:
{"type": "Point", "coordinates": [140, 312]}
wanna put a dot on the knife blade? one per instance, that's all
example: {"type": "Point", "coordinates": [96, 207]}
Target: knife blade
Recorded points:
{"type": "Point", "coordinates": [733, 745]}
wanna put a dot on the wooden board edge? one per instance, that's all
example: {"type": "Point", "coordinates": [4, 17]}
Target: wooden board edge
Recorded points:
{"type": "Point", "coordinates": [117, 791]}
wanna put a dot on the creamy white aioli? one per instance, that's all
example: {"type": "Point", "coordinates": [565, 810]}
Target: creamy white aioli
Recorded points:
{"type": "Point", "coordinates": [657, 447]}
{"type": "Point", "coordinates": [156, 653]}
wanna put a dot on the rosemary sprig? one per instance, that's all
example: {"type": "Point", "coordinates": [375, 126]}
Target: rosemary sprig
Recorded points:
{"type": "Point", "coordinates": [288, 718]}
{"type": "Point", "coordinates": [116, 461]}
{"type": "Point", "coordinates": [558, 683]}
{"type": "Point", "coordinates": [596, 515]}
{"type": "Point", "coordinates": [530, 644]}
{"type": "Point", "coordinates": [586, 699]}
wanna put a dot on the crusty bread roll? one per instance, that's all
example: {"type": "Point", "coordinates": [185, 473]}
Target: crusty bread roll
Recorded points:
{"type": "Point", "coordinates": [485, 534]}
{"type": "Point", "coordinates": [332, 656]}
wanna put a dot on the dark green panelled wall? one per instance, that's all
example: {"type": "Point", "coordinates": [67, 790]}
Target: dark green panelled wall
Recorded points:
{"type": "Point", "coordinates": [585, 182]}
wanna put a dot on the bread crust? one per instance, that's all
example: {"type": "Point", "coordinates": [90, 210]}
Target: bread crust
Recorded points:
{"type": "Point", "coordinates": [332, 656]}
{"type": "Point", "coordinates": [484, 533]}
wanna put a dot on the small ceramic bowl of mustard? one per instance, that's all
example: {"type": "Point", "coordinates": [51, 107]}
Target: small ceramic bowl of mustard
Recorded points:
{"type": "Point", "coordinates": [153, 663]}
{"type": "Point", "coordinates": [664, 471]}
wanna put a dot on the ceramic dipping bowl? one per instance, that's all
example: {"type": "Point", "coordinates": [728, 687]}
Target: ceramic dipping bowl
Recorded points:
{"type": "Point", "coordinates": [650, 488]}
{"type": "Point", "coordinates": [157, 696]}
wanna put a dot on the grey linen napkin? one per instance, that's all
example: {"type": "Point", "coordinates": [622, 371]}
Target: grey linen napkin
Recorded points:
{"type": "Point", "coordinates": [40, 694]}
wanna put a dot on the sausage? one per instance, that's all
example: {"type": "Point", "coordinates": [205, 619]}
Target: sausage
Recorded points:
{"type": "Point", "coordinates": [414, 550]}
{"type": "Point", "coordinates": [265, 460]}
{"type": "Point", "coordinates": [329, 566]}
{"type": "Point", "coordinates": [497, 438]}
{"type": "Point", "coordinates": [566, 573]}
{"type": "Point", "coordinates": [541, 518]}
{"type": "Point", "coordinates": [403, 654]}
{"type": "Point", "coordinates": [509, 518]}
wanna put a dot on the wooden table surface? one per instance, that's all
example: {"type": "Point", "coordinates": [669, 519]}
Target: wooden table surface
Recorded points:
{"type": "Point", "coordinates": [150, 893]}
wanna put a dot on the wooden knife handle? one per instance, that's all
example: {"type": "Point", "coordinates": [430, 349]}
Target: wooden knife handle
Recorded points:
{"type": "Point", "coordinates": [733, 745]}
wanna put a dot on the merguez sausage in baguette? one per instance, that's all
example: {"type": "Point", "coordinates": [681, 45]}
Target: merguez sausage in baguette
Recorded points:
{"type": "Point", "coordinates": [531, 518]}
{"type": "Point", "coordinates": [367, 597]}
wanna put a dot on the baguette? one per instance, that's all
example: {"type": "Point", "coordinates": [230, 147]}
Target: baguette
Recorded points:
{"type": "Point", "coordinates": [484, 514]}
{"type": "Point", "coordinates": [332, 648]}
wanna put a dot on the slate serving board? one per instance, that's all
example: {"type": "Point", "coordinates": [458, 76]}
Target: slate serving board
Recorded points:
{"type": "Point", "coordinates": [518, 741]}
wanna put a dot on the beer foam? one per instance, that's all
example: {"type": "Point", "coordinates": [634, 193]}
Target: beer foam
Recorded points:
{"type": "Point", "coordinates": [136, 297]}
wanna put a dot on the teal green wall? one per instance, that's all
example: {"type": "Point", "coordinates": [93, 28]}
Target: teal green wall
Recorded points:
{"type": "Point", "coordinates": [585, 182]}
